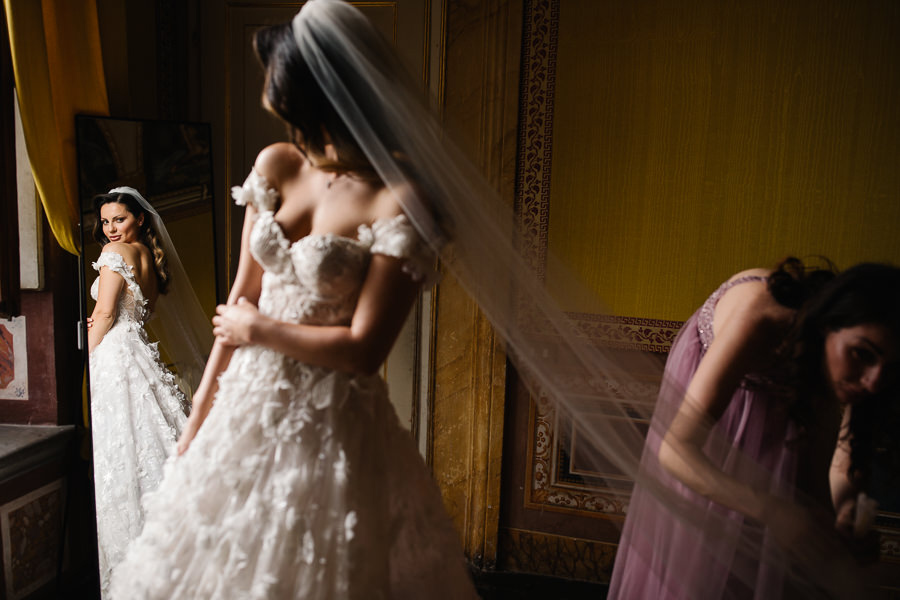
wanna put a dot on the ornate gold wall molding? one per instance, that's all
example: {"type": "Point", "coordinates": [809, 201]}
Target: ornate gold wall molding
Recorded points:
{"type": "Point", "coordinates": [630, 333]}
{"type": "Point", "coordinates": [557, 480]}
{"type": "Point", "coordinates": [536, 127]}
{"type": "Point", "coordinates": [553, 482]}
{"type": "Point", "coordinates": [483, 45]}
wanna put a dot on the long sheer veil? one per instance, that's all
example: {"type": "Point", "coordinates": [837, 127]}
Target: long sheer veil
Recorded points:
{"type": "Point", "coordinates": [602, 389]}
{"type": "Point", "coordinates": [178, 320]}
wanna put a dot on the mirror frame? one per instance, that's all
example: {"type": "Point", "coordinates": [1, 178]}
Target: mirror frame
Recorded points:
{"type": "Point", "coordinates": [179, 185]}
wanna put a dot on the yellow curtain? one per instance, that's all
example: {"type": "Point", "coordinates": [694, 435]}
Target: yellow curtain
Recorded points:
{"type": "Point", "coordinates": [58, 68]}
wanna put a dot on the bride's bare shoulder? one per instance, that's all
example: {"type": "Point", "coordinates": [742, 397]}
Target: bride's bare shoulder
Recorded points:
{"type": "Point", "coordinates": [279, 163]}
{"type": "Point", "coordinates": [129, 252]}
{"type": "Point", "coordinates": [386, 204]}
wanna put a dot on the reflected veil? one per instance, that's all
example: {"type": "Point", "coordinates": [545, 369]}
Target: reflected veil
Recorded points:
{"type": "Point", "coordinates": [178, 321]}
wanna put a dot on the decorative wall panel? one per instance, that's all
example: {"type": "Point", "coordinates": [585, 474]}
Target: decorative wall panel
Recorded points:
{"type": "Point", "coordinates": [555, 481]}
{"type": "Point", "coordinates": [30, 528]}
{"type": "Point", "coordinates": [559, 556]}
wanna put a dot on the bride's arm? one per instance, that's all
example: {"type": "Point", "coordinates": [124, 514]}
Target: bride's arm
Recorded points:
{"type": "Point", "coordinates": [105, 311]}
{"type": "Point", "coordinates": [109, 289]}
{"type": "Point", "coordinates": [385, 301]}
{"type": "Point", "coordinates": [247, 284]}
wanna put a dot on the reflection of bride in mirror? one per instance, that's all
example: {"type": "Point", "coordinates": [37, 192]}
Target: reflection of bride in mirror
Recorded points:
{"type": "Point", "coordinates": [137, 410]}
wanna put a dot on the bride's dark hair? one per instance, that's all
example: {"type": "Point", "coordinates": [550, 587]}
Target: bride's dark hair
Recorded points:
{"type": "Point", "coordinates": [292, 93]}
{"type": "Point", "coordinates": [146, 234]}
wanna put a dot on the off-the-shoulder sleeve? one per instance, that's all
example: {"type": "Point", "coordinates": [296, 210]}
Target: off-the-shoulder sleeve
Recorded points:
{"type": "Point", "coordinates": [115, 262]}
{"type": "Point", "coordinates": [256, 191]}
{"type": "Point", "coordinates": [398, 238]}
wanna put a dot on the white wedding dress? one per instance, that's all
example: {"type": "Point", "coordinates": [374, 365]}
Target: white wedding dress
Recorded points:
{"type": "Point", "coordinates": [301, 483]}
{"type": "Point", "coordinates": [137, 413]}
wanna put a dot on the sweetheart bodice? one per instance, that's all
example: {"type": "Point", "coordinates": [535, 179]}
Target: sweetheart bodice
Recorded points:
{"type": "Point", "coordinates": [318, 278]}
{"type": "Point", "coordinates": [132, 305]}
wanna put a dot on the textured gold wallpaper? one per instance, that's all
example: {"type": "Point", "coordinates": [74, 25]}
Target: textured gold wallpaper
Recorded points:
{"type": "Point", "coordinates": [694, 139]}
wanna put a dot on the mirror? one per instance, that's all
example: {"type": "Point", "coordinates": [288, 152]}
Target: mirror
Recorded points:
{"type": "Point", "coordinates": [169, 163]}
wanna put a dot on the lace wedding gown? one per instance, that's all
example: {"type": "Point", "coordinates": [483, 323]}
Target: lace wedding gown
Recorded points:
{"type": "Point", "coordinates": [137, 413]}
{"type": "Point", "coordinates": [301, 483]}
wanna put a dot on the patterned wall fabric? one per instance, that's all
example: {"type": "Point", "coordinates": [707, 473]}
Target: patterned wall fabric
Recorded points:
{"type": "Point", "coordinates": [693, 140]}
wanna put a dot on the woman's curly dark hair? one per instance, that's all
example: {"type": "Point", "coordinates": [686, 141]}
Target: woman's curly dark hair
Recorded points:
{"type": "Point", "coordinates": [146, 234]}
{"type": "Point", "coordinates": [792, 283]}
{"type": "Point", "coordinates": [868, 293]}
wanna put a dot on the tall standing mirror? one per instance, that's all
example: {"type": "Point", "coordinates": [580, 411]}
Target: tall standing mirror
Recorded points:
{"type": "Point", "coordinates": [136, 411]}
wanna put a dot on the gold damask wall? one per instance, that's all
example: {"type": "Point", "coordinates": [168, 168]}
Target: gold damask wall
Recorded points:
{"type": "Point", "coordinates": [694, 139]}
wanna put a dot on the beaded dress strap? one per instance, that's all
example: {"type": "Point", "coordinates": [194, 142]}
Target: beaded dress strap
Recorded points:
{"type": "Point", "coordinates": [705, 318]}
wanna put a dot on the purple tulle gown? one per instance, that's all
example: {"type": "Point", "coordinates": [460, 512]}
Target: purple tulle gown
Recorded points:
{"type": "Point", "coordinates": [662, 556]}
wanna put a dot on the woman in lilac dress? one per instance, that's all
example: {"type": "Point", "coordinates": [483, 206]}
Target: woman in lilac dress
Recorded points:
{"type": "Point", "coordinates": [775, 395]}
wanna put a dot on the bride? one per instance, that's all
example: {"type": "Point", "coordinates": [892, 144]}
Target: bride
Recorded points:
{"type": "Point", "coordinates": [300, 482]}
{"type": "Point", "coordinates": [137, 411]}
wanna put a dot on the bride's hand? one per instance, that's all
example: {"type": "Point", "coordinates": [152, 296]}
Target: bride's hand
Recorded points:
{"type": "Point", "coordinates": [187, 436]}
{"type": "Point", "coordinates": [233, 323]}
